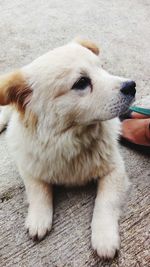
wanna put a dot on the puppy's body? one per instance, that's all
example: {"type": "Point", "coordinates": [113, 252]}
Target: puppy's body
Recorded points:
{"type": "Point", "coordinates": [61, 133]}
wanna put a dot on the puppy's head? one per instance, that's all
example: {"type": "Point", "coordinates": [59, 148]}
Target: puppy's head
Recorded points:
{"type": "Point", "coordinates": [67, 86]}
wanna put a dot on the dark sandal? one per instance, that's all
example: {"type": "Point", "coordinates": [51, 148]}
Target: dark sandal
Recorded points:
{"type": "Point", "coordinates": [139, 148]}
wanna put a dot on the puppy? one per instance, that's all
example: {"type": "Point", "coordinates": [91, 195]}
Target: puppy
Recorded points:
{"type": "Point", "coordinates": [62, 131]}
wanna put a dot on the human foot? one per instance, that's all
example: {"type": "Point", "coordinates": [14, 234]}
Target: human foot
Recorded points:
{"type": "Point", "coordinates": [137, 129]}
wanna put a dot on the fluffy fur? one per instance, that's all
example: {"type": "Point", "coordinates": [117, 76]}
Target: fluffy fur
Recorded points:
{"type": "Point", "coordinates": [59, 134]}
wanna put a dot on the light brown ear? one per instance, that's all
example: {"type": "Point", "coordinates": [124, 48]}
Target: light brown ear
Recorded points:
{"type": "Point", "coordinates": [14, 90]}
{"type": "Point", "coordinates": [89, 45]}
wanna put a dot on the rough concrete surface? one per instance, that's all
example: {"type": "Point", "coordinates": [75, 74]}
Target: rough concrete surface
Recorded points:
{"type": "Point", "coordinates": [28, 29]}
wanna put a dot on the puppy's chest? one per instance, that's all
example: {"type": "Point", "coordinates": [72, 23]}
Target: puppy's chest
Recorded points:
{"type": "Point", "coordinates": [65, 159]}
{"type": "Point", "coordinates": [71, 161]}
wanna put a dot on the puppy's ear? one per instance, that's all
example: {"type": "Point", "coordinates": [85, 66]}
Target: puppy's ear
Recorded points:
{"type": "Point", "coordinates": [14, 90]}
{"type": "Point", "coordinates": [89, 45]}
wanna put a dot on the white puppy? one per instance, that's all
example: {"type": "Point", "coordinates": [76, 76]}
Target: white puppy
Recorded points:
{"type": "Point", "coordinates": [61, 132]}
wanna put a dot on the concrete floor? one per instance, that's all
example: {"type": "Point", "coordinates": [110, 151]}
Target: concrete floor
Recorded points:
{"type": "Point", "coordinates": [28, 29]}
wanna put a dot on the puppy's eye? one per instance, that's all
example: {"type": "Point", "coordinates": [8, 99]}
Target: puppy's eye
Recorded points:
{"type": "Point", "coordinates": [82, 83]}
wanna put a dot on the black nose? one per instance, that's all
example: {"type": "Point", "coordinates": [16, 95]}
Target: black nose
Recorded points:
{"type": "Point", "coordinates": [128, 88]}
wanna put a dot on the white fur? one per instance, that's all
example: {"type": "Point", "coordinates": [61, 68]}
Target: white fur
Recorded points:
{"type": "Point", "coordinates": [73, 141]}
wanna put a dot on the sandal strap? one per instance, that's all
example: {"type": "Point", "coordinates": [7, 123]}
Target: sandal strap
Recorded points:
{"type": "Point", "coordinates": [144, 111]}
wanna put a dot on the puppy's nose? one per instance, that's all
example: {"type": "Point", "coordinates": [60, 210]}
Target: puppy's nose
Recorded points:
{"type": "Point", "coordinates": [128, 88]}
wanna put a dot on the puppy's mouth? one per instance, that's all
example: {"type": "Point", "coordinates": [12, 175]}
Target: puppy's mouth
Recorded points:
{"type": "Point", "coordinates": [117, 107]}
{"type": "Point", "coordinates": [125, 103]}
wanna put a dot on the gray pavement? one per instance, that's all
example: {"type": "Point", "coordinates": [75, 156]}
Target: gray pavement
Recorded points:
{"type": "Point", "coordinates": [27, 30]}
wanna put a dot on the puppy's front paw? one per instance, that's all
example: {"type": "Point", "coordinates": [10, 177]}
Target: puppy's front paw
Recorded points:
{"type": "Point", "coordinates": [105, 241]}
{"type": "Point", "coordinates": [38, 223]}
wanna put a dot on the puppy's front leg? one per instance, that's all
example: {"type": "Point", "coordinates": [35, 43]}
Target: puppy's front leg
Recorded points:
{"type": "Point", "coordinates": [110, 195]}
{"type": "Point", "coordinates": [40, 212]}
